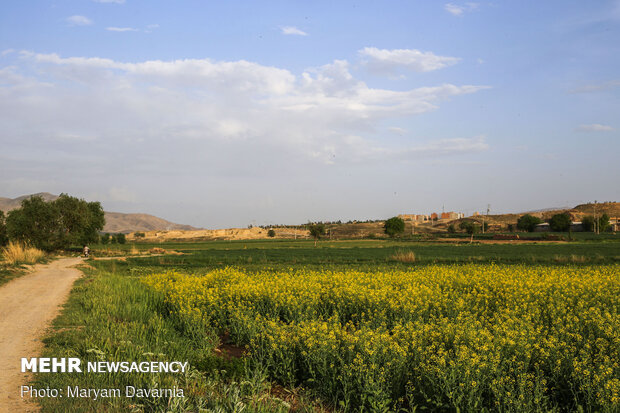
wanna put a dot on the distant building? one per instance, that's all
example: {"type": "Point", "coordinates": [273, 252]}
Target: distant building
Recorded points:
{"type": "Point", "coordinates": [615, 223]}
{"type": "Point", "coordinates": [452, 215]}
{"type": "Point", "coordinates": [414, 217]}
{"type": "Point", "coordinates": [434, 216]}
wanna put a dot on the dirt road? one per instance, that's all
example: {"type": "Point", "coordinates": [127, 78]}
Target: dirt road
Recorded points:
{"type": "Point", "coordinates": [27, 306]}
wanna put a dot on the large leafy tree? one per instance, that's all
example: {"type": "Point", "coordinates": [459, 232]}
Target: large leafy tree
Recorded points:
{"type": "Point", "coordinates": [560, 222]}
{"type": "Point", "coordinates": [35, 222]}
{"type": "Point", "coordinates": [394, 226]}
{"type": "Point", "coordinates": [55, 225]}
{"type": "Point", "coordinates": [528, 222]}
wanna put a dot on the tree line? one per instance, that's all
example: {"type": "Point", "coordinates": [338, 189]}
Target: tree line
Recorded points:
{"type": "Point", "coordinates": [55, 225]}
{"type": "Point", "coordinates": [562, 222]}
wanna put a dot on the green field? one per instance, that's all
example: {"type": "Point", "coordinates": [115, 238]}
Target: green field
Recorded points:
{"type": "Point", "coordinates": [113, 314]}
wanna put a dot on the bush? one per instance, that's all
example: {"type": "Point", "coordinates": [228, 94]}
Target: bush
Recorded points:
{"type": "Point", "coordinates": [139, 234]}
{"type": "Point", "coordinates": [451, 229]}
{"type": "Point", "coordinates": [404, 256]}
{"type": "Point", "coordinates": [560, 222]}
{"type": "Point", "coordinates": [119, 239]}
{"type": "Point", "coordinates": [271, 233]}
{"type": "Point", "coordinates": [394, 226]}
{"type": "Point", "coordinates": [16, 253]}
{"type": "Point", "coordinates": [104, 238]}
{"type": "Point", "coordinates": [528, 222]}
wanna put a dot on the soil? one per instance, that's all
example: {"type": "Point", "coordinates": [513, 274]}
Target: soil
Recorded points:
{"type": "Point", "coordinates": [27, 306]}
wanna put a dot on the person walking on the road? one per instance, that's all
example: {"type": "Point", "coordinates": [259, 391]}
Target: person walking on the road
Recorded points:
{"type": "Point", "coordinates": [86, 251]}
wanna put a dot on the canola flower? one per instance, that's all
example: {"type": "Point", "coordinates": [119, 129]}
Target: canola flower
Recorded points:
{"type": "Point", "coordinates": [477, 336]}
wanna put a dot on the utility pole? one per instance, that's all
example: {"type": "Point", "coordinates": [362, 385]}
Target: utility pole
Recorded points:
{"type": "Point", "coordinates": [595, 219]}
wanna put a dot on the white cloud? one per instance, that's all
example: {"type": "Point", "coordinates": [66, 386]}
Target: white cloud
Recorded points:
{"type": "Point", "coordinates": [397, 130]}
{"type": "Point", "coordinates": [459, 10]}
{"type": "Point", "coordinates": [202, 114]}
{"type": "Point", "coordinates": [594, 127]}
{"type": "Point", "coordinates": [292, 30]}
{"type": "Point", "coordinates": [388, 61]}
{"type": "Point", "coordinates": [121, 29]}
{"type": "Point", "coordinates": [79, 21]}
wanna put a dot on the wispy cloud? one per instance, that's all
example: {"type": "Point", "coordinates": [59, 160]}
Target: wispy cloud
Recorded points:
{"type": "Point", "coordinates": [121, 29]}
{"type": "Point", "coordinates": [397, 130]}
{"type": "Point", "coordinates": [79, 20]}
{"type": "Point", "coordinates": [389, 61]}
{"type": "Point", "coordinates": [594, 127]}
{"type": "Point", "coordinates": [292, 30]}
{"type": "Point", "coordinates": [459, 10]}
{"type": "Point", "coordinates": [601, 87]}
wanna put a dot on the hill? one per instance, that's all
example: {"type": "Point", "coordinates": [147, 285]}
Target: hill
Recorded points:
{"type": "Point", "coordinates": [114, 221]}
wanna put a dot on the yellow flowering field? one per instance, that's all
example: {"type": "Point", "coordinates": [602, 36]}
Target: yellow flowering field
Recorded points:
{"type": "Point", "coordinates": [477, 337]}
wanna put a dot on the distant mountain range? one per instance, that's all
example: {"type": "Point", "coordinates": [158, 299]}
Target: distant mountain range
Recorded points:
{"type": "Point", "coordinates": [114, 221]}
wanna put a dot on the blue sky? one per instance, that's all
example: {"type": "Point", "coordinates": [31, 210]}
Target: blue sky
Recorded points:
{"type": "Point", "coordinates": [221, 114]}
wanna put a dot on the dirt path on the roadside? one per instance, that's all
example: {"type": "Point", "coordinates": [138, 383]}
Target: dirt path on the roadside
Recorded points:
{"type": "Point", "coordinates": [27, 306]}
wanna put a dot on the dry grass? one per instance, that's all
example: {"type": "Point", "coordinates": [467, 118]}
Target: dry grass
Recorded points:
{"type": "Point", "coordinates": [17, 253]}
{"type": "Point", "coordinates": [404, 256]}
{"type": "Point", "coordinates": [134, 250]}
{"type": "Point", "coordinates": [580, 259]}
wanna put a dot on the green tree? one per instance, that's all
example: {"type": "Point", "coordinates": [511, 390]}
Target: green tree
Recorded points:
{"type": "Point", "coordinates": [587, 223]}
{"type": "Point", "coordinates": [36, 222]}
{"type": "Point", "coordinates": [603, 223]}
{"type": "Point", "coordinates": [560, 222]}
{"type": "Point", "coordinates": [271, 233]}
{"type": "Point", "coordinates": [470, 227]}
{"type": "Point", "coordinates": [104, 238]}
{"type": "Point", "coordinates": [55, 225]}
{"type": "Point", "coordinates": [316, 231]}
{"type": "Point", "coordinates": [451, 229]}
{"type": "Point", "coordinates": [528, 222]}
{"type": "Point", "coordinates": [3, 236]}
{"type": "Point", "coordinates": [119, 238]}
{"type": "Point", "coordinates": [394, 226]}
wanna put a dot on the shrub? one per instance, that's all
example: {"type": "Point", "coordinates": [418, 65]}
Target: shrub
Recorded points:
{"type": "Point", "coordinates": [451, 229]}
{"type": "Point", "coordinates": [119, 239]}
{"type": "Point", "coordinates": [16, 253]}
{"type": "Point", "coordinates": [271, 233]}
{"type": "Point", "coordinates": [404, 256]}
{"type": "Point", "coordinates": [394, 226]}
